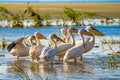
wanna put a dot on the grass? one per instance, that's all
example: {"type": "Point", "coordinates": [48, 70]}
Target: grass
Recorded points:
{"type": "Point", "coordinates": [111, 61]}
{"type": "Point", "coordinates": [55, 10]}
{"type": "Point", "coordinates": [110, 41]}
{"type": "Point", "coordinates": [3, 43]}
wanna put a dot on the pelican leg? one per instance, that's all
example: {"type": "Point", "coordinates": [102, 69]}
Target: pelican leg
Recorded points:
{"type": "Point", "coordinates": [65, 61]}
{"type": "Point", "coordinates": [38, 58]}
{"type": "Point", "coordinates": [51, 61]}
{"type": "Point", "coordinates": [81, 58]}
{"type": "Point", "coordinates": [75, 60]}
{"type": "Point", "coordinates": [44, 60]}
{"type": "Point", "coordinates": [32, 59]}
{"type": "Point", "coordinates": [58, 58]}
{"type": "Point", "coordinates": [62, 58]}
{"type": "Point", "coordinates": [17, 57]}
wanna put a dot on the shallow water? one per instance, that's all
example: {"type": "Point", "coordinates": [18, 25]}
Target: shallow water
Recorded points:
{"type": "Point", "coordinates": [57, 71]}
{"type": "Point", "coordinates": [89, 69]}
{"type": "Point", "coordinates": [14, 33]}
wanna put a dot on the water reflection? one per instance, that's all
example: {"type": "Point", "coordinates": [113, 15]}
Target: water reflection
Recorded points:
{"type": "Point", "coordinates": [15, 66]}
{"type": "Point", "coordinates": [80, 67]}
{"type": "Point", "coordinates": [52, 71]}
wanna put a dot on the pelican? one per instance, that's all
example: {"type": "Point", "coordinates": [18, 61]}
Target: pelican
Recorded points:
{"type": "Point", "coordinates": [89, 42]}
{"type": "Point", "coordinates": [62, 48]}
{"type": "Point", "coordinates": [35, 51]}
{"type": "Point", "coordinates": [76, 51]}
{"type": "Point", "coordinates": [64, 34]}
{"type": "Point", "coordinates": [49, 53]}
{"type": "Point", "coordinates": [19, 48]}
{"type": "Point", "coordinates": [30, 39]}
{"type": "Point", "coordinates": [83, 47]}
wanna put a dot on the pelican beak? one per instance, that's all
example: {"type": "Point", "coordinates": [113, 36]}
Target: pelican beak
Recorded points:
{"type": "Point", "coordinates": [95, 31]}
{"type": "Point", "coordinates": [74, 30]}
{"type": "Point", "coordinates": [41, 36]}
{"type": "Point", "coordinates": [86, 33]}
{"type": "Point", "coordinates": [58, 39]}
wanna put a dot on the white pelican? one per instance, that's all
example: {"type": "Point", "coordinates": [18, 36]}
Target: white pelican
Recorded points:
{"type": "Point", "coordinates": [62, 48]}
{"type": "Point", "coordinates": [84, 46]}
{"type": "Point", "coordinates": [76, 51]}
{"type": "Point", "coordinates": [31, 38]}
{"type": "Point", "coordinates": [19, 48]}
{"type": "Point", "coordinates": [64, 34]}
{"type": "Point", "coordinates": [49, 53]}
{"type": "Point", "coordinates": [89, 42]}
{"type": "Point", "coordinates": [35, 51]}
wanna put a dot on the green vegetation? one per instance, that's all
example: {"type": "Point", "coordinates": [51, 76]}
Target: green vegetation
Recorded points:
{"type": "Point", "coordinates": [16, 18]}
{"type": "Point", "coordinates": [110, 41]}
{"type": "Point", "coordinates": [111, 61]}
{"type": "Point", "coordinates": [3, 43]}
{"type": "Point", "coordinates": [46, 17]}
{"type": "Point", "coordinates": [76, 16]}
{"type": "Point", "coordinates": [36, 17]}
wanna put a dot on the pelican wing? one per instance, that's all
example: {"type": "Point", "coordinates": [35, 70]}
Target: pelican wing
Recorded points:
{"type": "Point", "coordinates": [13, 52]}
{"type": "Point", "coordinates": [63, 48]}
{"type": "Point", "coordinates": [45, 49]}
{"type": "Point", "coordinates": [50, 53]}
{"type": "Point", "coordinates": [74, 52]}
{"type": "Point", "coordinates": [86, 40]}
{"type": "Point", "coordinates": [13, 44]}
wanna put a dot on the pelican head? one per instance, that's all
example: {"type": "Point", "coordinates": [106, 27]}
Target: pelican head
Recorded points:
{"type": "Point", "coordinates": [94, 31]}
{"type": "Point", "coordinates": [54, 36]}
{"type": "Point", "coordinates": [37, 34]}
{"type": "Point", "coordinates": [71, 29]}
{"type": "Point", "coordinates": [31, 38]}
{"type": "Point", "coordinates": [83, 31]}
{"type": "Point", "coordinates": [64, 31]}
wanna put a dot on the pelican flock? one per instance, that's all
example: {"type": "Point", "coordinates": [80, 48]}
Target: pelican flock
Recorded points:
{"type": "Point", "coordinates": [66, 47]}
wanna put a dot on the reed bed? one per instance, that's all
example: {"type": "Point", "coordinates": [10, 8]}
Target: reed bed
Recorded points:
{"type": "Point", "coordinates": [110, 41]}
{"type": "Point", "coordinates": [3, 43]}
{"type": "Point", "coordinates": [112, 60]}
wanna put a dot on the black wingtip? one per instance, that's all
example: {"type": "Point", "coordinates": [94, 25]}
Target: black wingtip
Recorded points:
{"type": "Point", "coordinates": [13, 44]}
{"type": "Point", "coordinates": [10, 46]}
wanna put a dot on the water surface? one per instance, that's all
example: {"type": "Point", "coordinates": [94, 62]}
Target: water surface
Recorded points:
{"type": "Point", "coordinates": [89, 69]}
